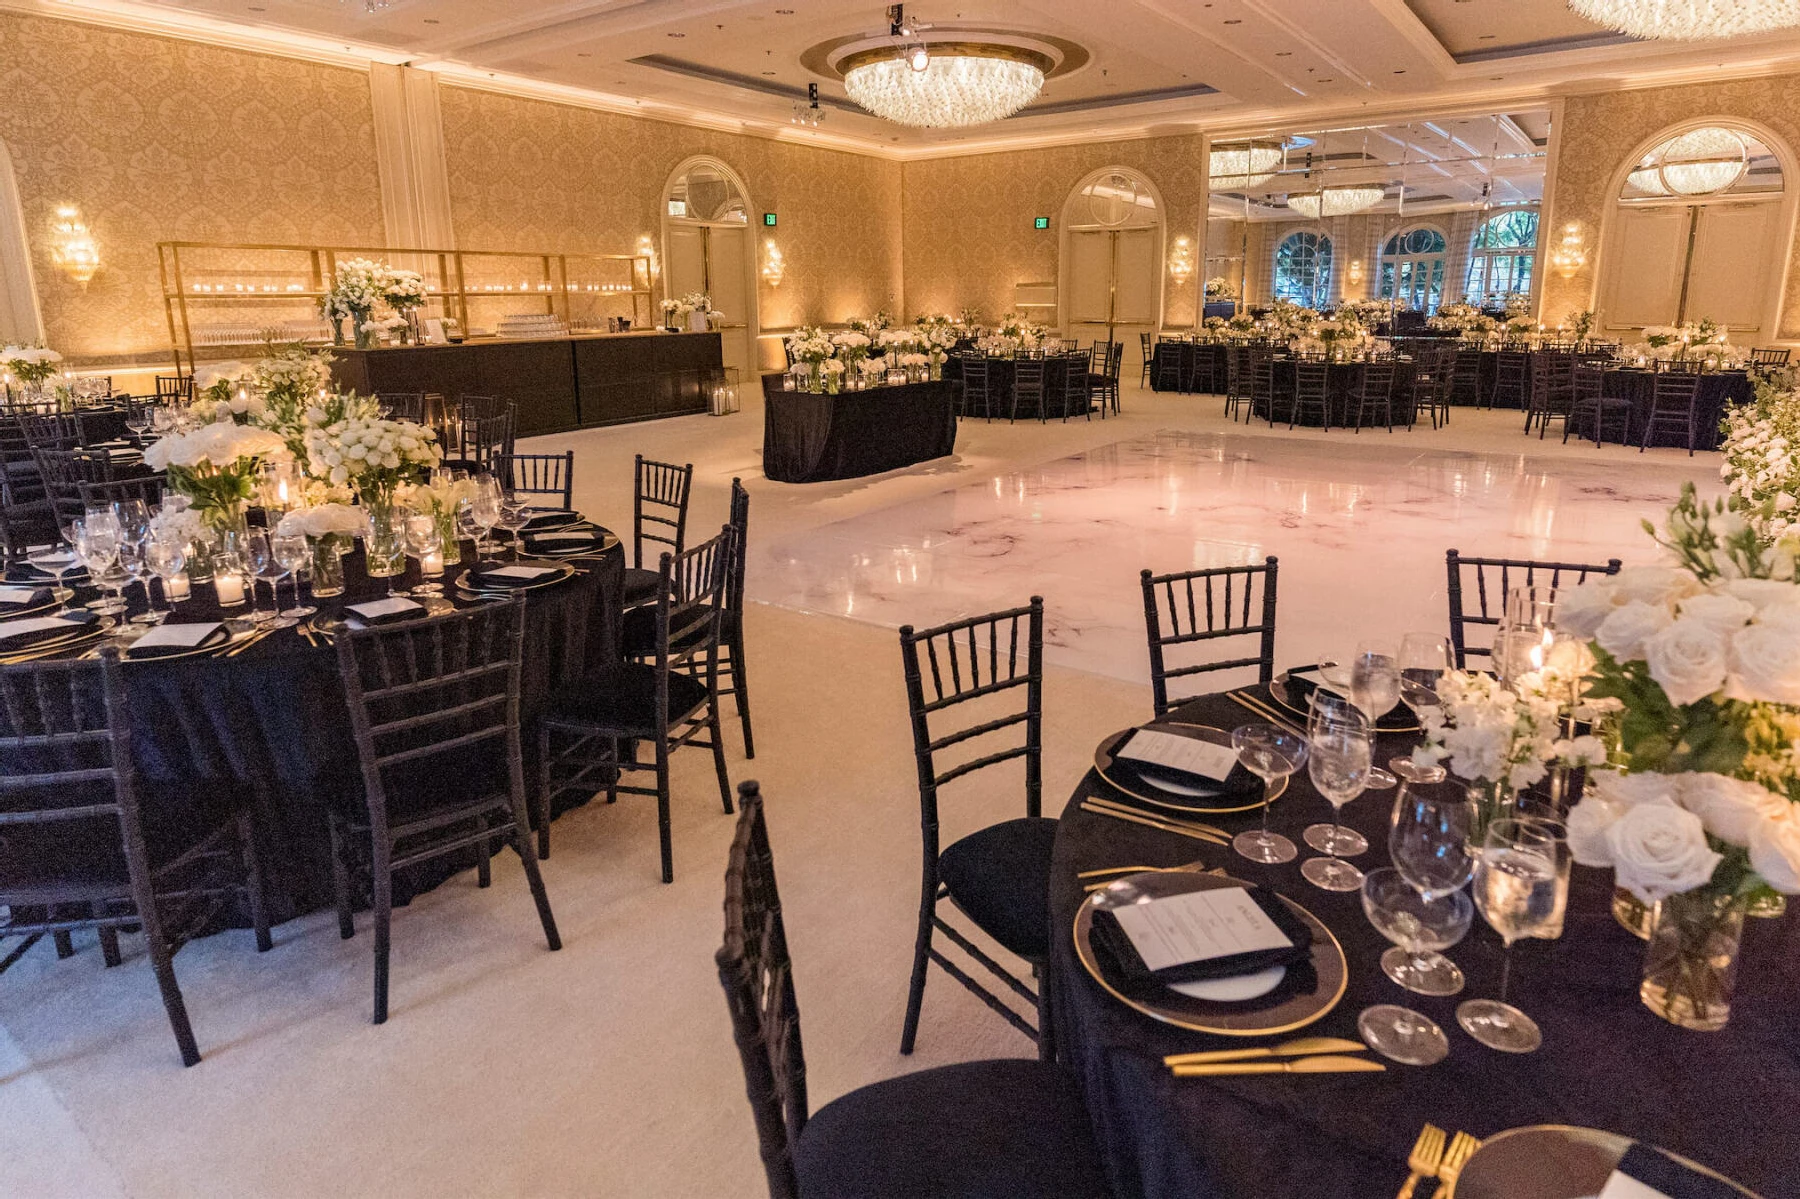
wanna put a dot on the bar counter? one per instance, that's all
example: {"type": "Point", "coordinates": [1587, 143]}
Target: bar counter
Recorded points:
{"type": "Point", "coordinates": [559, 383]}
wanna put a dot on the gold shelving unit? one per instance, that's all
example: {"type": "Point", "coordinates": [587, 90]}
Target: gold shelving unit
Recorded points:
{"type": "Point", "coordinates": [222, 298]}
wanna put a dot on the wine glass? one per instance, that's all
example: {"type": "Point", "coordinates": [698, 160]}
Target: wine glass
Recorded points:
{"type": "Point", "coordinates": [134, 519]}
{"type": "Point", "coordinates": [1375, 688]}
{"type": "Point", "coordinates": [1515, 891]}
{"type": "Point", "coordinates": [1269, 752]}
{"type": "Point", "coordinates": [293, 553]}
{"type": "Point", "coordinates": [1548, 821]}
{"type": "Point", "coordinates": [1400, 914]}
{"type": "Point", "coordinates": [1428, 840]}
{"type": "Point", "coordinates": [1424, 657]}
{"type": "Point", "coordinates": [166, 559]}
{"type": "Point", "coordinates": [260, 558]}
{"type": "Point", "coordinates": [96, 541]}
{"type": "Point", "coordinates": [269, 568]}
{"type": "Point", "coordinates": [384, 551]}
{"type": "Point", "coordinates": [138, 418]}
{"type": "Point", "coordinates": [58, 560]}
{"type": "Point", "coordinates": [515, 514]}
{"type": "Point", "coordinates": [423, 538]}
{"type": "Point", "coordinates": [1337, 761]}
{"type": "Point", "coordinates": [137, 570]}
{"type": "Point", "coordinates": [484, 513]}
{"type": "Point", "coordinates": [1325, 708]}
{"type": "Point", "coordinates": [162, 420]}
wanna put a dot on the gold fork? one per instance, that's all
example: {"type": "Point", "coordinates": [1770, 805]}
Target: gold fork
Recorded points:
{"type": "Point", "coordinates": [1427, 1153]}
{"type": "Point", "coordinates": [1462, 1148]}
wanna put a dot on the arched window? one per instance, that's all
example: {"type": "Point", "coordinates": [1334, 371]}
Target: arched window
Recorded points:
{"type": "Point", "coordinates": [1503, 255]}
{"type": "Point", "coordinates": [1412, 268]}
{"type": "Point", "coordinates": [1303, 269]}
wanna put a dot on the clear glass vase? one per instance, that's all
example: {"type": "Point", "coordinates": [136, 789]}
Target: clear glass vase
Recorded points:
{"type": "Point", "coordinates": [366, 339]}
{"type": "Point", "coordinates": [384, 549]}
{"type": "Point", "coordinates": [1494, 800]}
{"type": "Point", "coordinates": [327, 566]}
{"type": "Point", "coordinates": [1633, 914]}
{"type": "Point", "coordinates": [1690, 965]}
{"type": "Point", "coordinates": [224, 529]}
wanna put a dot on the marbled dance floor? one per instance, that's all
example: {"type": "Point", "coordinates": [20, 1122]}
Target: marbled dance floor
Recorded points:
{"type": "Point", "coordinates": [1360, 527]}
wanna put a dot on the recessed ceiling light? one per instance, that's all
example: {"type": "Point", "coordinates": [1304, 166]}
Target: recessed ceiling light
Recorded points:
{"type": "Point", "coordinates": [784, 12]}
{"type": "Point", "coordinates": [678, 35]}
{"type": "Point", "coordinates": [432, 21]}
{"type": "Point", "coordinates": [255, 8]}
{"type": "Point", "coordinates": [583, 54]}
{"type": "Point", "coordinates": [1233, 21]}
{"type": "Point", "coordinates": [1400, 72]}
{"type": "Point", "coordinates": [1324, 81]}
{"type": "Point", "coordinates": [768, 72]}
{"type": "Point", "coordinates": [1486, 37]}
{"type": "Point", "coordinates": [1284, 54]}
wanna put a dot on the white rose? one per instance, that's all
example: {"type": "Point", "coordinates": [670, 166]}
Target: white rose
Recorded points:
{"type": "Point", "coordinates": [1586, 606]}
{"type": "Point", "coordinates": [1587, 824]}
{"type": "Point", "coordinates": [1775, 853]}
{"type": "Point", "coordinates": [1660, 851]}
{"type": "Point", "coordinates": [1658, 585]}
{"type": "Point", "coordinates": [1726, 613]}
{"type": "Point", "coordinates": [1761, 593]}
{"type": "Point", "coordinates": [1623, 632]}
{"type": "Point", "coordinates": [1765, 664]}
{"type": "Point", "coordinates": [1729, 808]}
{"type": "Point", "coordinates": [1687, 660]}
{"type": "Point", "coordinates": [1633, 790]}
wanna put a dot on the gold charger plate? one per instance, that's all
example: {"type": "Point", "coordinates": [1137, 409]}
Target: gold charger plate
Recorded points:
{"type": "Point", "coordinates": [604, 539]}
{"type": "Point", "coordinates": [1217, 804]}
{"type": "Point", "coordinates": [48, 605]}
{"type": "Point", "coordinates": [1277, 689]}
{"type": "Point", "coordinates": [1553, 1161]}
{"type": "Point", "coordinates": [1282, 1010]}
{"type": "Point", "coordinates": [564, 570]}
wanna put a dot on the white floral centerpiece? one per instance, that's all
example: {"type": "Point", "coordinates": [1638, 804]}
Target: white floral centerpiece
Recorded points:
{"type": "Point", "coordinates": [30, 365]}
{"type": "Point", "coordinates": [852, 347]}
{"type": "Point", "coordinates": [1762, 458]}
{"type": "Point", "coordinates": [872, 326]}
{"type": "Point", "coordinates": [215, 467]}
{"type": "Point", "coordinates": [1702, 818]}
{"type": "Point", "coordinates": [439, 497]}
{"type": "Point", "coordinates": [1703, 341]}
{"type": "Point", "coordinates": [813, 347]}
{"type": "Point", "coordinates": [329, 529]}
{"type": "Point", "coordinates": [403, 290]}
{"type": "Point", "coordinates": [1219, 288]}
{"type": "Point", "coordinates": [356, 289]}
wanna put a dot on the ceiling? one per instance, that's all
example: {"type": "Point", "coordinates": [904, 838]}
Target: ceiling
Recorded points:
{"type": "Point", "coordinates": [1151, 66]}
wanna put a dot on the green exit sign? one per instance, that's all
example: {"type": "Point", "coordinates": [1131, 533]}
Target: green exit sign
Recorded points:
{"type": "Point", "coordinates": [1042, 222]}
{"type": "Point", "coordinates": [769, 220]}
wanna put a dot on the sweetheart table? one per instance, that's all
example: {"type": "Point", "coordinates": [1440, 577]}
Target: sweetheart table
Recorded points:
{"type": "Point", "coordinates": [1607, 1062]}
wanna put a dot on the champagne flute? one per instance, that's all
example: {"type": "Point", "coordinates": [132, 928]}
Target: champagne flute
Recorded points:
{"type": "Point", "coordinates": [1270, 752]}
{"type": "Point", "coordinates": [1515, 891]}
{"type": "Point", "coordinates": [1325, 708]}
{"type": "Point", "coordinates": [1337, 761]}
{"type": "Point", "coordinates": [1375, 688]}
{"type": "Point", "coordinates": [1428, 841]}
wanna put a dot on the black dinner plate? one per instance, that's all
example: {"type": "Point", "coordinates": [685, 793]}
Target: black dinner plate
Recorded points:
{"type": "Point", "coordinates": [1157, 788]}
{"type": "Point", "coordinates": [598, 541]}
{"type": "Point", "coordinates": [482, 578]}
{"type": "Point", "coordinates": [1292, 697]}
{"type": "Point", "coordinates": [546, 520]}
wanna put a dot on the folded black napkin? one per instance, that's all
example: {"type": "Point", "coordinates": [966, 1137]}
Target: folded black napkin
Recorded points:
{"type": "Point", "coordinates": [30, 630]}
{"type": "Point", "coordinates": [1299, 693]}
{"type": "Point", "coordinates": [38, 597]}
{"type": "Point", "coordinates": [384, 611]}
{"type": "Point", "coordinates": [493, 575]}
{"type": "Point", "coordinates": [552, 541]}
{"type": "Point", "coordinates": [1112, 941]}
{"type": "Point", "coordinates": [1669, 1177]}
{"type": "Point", "coordinates": [550, 518]}
{"type": "Point", "coordinates": [181, 639]}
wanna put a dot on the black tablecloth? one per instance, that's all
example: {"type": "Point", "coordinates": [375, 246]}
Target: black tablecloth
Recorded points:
{"type": "Point", "coordinates": [1340, 390]}
{"type": "Point", "coordinates": [1200, 366]}
{"type": "Point", "coordinates": [272, 722]}
{"type": "Point", "coordinates": [1606, 1062]}
{"type": "Point", "coordinates": [1000, 385]}
{"type": "Point", "coordinates": [1718, 389]}
{"type": "Point", "coordinates": [809, 438]}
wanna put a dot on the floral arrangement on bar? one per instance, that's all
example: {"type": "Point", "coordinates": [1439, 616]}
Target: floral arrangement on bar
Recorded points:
{"type": "Point", "coordinates": [690, 305]}
{"type": "Point", "coordinates": [30, 365]}
{"type": "Point", "coordinates": [1220, 288]}
{"type": "Point", "coordinates": [403, 290]}
{"type": "Point", "coordinates": [1702, 818]}
{"type": "Point", "coordinates": [357, 285]}
{"type": "Point", "coordinates": [1761, 446]}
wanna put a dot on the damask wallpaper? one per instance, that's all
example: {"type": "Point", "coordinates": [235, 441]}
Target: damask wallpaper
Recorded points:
{"type": "Point", "coordinates": [968, 221]}
{"type": "Point", "coordinates": [1600, 131]}
{"type": "Point", "coordinates": [528, 174]}
{"type": "Point", "coordinates": [156, 139]}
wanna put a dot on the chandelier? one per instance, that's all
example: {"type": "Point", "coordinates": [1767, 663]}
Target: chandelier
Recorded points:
{"type": "Point", "coordinates": [943, 85]}
{"type": "Point", "coordinates": [1336, 201]}
{"type": "Point", "coordinates": [1243, 167]}
{"type": "Point", "coordinates": [1690, 20]}
{"type": "Point", "coordinates": [1700, 162]}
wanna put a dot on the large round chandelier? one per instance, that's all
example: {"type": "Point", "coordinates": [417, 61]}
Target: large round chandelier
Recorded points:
{"type": "Point", "coordinates": [1690, 20]}
{"type": "Point", "coordinates": [946, 84]}
{"type": "Point", "coordinates": [1700, 162]}
{"type": "Point", "coordinates": [1240, 167]}
{"type": "Point", "coordinates": [1336, 201]}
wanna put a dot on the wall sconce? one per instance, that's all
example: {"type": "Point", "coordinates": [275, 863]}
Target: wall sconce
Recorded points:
{"type": "Point", "coordinates": [1570, 254]}
{"type": "Point", "coordinates": [72, 246]}
{"type": "Point", "coordinates": [1181, 261]}
{"type": "Point", "coordinates": [646, 246]}
{"type": "Point", "coordinates": [774, 267]}
{"type": "Point", "coordinates": [1355, 273]}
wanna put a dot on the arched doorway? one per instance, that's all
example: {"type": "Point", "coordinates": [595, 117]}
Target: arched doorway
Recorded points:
{"type": "Point", "coordinates": [1413, 265]}
{"type": "Point", "coordinates": [1112, 254]}
{"type": "Point", "coordinates": [708, 248]}
{"type": "Point", "coordinates": [20, 320]}
{"type": "Point", "coordinates": [1701, 227]}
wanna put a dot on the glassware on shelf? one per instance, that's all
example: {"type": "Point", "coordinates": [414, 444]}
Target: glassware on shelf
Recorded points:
{"type": "Point", "coordinates": [1515, 892]}
{"type": "Point", "coordinates": [1271, 753]}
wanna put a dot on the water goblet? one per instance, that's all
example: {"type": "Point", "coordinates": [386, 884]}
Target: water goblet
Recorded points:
{"type": "Point", "coordinates": [260, 558]}
{"type": "Point", "coordinates": [166, 559]}
{"type": "Point", "coordinates": [1428, 841]}
{"type": "Point", "coordinates": [1337, 761]}
{"type": "Point", "coordinates": [294, 553]}
{"type": "Point", "coordinates": [1403, 916]}
{"type": "Point", "coordinates": [1375, 688]}
{"type": "Point", "coordinates": [1515, 892]}
{"type": "Point", "coordinates": [270, 569]}
{"type": "Point", "coordinates": [137, 570]}
{"type": "Point", "coordinates": [484, 513]}
{"type": "Point", "coordinates": [134, 519]}
{"type": "Point", "coordinates": [1323, 709]}
{"type": "Point", "coordinates": [1424, 657]}
{"type": "Point", "coordinates": [58, 560]}
{"type": "Point", "coordinates": [424, 540]}
{"type": "Point", "coordinates": [1269, 752]}
{"type": "Point", "coordinates": [138, 418]}
{"type": "Point", "coordinates": [515, 514]}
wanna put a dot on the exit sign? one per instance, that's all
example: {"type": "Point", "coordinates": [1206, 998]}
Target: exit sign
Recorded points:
{"type": "Point", "coordinates": [1042, 222]}
{"type": "Point", "coordinates": [769, 220]}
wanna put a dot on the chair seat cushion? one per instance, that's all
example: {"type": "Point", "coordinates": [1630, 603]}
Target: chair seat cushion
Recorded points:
{"type": "Point", "coordinates": [638, 636]}
{"type": "Point", "coordinates": [1000, 877]}
{"type": "Point", "coordinates": [640, 586]}
{"type": "Point", "coordinates": [622, 699]}
{"type": "Point", "coordinates": [1006, 1129]}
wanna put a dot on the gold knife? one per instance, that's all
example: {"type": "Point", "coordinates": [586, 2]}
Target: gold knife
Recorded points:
{"type": "Point", "coordinates": [1266, 712]}
{"type": "Point", "coordinates": [1296, 1048]}
{"type": "Point", "coordinates": [1326, 1064]}
{"type": "Point", "coordinates": [1147, 822]}
{"type": "Point", "coordinates": [1198, 826]}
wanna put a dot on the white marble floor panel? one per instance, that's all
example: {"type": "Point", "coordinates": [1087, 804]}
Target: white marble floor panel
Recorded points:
{"type": "Point", "coordinates": [1360, 528]}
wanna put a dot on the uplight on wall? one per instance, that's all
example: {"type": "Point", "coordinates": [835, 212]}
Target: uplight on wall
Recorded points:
{"type": "Point", "coordinates": [1181, 260]}
{"type": "Point", "coordinates": [774, 266]}
{"type": "Point", "coordinates": [71, 245]}
{"type": "Point", "coordinates": [1570, 254]}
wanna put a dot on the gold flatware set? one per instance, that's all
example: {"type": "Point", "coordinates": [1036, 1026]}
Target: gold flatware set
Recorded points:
{"type": "Point", "coordinates": [1264, 709]}
{"type": "Point", "coordinates": [1307, 1055]}
{"type": "Point", "coordinates": [1430, 1158]}
{"type": "Point", "coordinates": [1101, 806]}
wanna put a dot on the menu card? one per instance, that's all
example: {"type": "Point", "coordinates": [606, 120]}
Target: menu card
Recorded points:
{"type": "Point", "coordinates": [393, 606]}
{"type": "Point", "coordinates": [19, 628]}
{"type": "Point", "coordinates": [519, 572]}
{"type": "Point", "coordinates": [1174, 752]}
{"type": "Point", "coordinates": [1199, 926]}
{"type": "Point", "coordinates": [176, 636]}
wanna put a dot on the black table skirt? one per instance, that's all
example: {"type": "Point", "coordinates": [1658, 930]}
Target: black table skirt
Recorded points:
{"type": "Point", "coordinates": [272, 721]}
{"type": "Point", "coordinates": [1199, 366]}
{"type": "Point", "coordinates": [1606, 1061]}
{"type": "Point", "coordinates": [1003, 401]}
{"type": "Point", "coordinates": [1718, 391]}
{"type": "Point", "coordinates": [1340, 390]}
{"type": "Point", "coordinates": [810, 438]}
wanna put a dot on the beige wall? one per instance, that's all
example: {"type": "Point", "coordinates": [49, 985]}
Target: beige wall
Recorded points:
{"type": "Point", "coordinates": [532, 175]}
{"type": "Point", "coordinates": [1600, 131]}
{"type": "Point", "coordinates": [161, 140]}
{"type": "Point", "coordinates": [968, 221]}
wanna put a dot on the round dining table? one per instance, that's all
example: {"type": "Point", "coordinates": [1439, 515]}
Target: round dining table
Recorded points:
{"type": "Point", "coordinates": [270, 721]}
{"type": "Point", "coordinates": [1607, 1062]}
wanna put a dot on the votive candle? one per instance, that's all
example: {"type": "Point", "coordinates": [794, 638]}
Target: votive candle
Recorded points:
{"type": "Point", "coordinates": [230, 588]}
{"type": "Point", "coordinates": [431, 562]}
{"type": "Point", "coordinates": [177, 587]}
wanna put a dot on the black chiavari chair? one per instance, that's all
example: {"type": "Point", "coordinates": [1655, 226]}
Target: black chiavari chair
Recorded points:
{"type": "Point", "coordinates": [1167, 357]}
{"type": "Point", "coordinates": [1311, 392]}
{"type": "Point", "coordinates": [1552, 390]}
{"type": "Point", "coordinates": [1147, 350]}
{"type": "Point", "coordinates": [434, 709]}
{"type": "Point", "coordinates": [1674, 408]}
{"type": "Point", "coordinates": [1262, 383]}
{"type": "Point", "coordinates": [148, 488]}
{"type": "Point", "coordinates": [1001, 1127]}
{"type": "Point", "coordinates": [55, 431]}
{"type": "Point", "coordinates": [80, 850]}
{"type": "Point", "coordinates": [977, 389]}
{"type": "Point", "coordinates": [1589, 402]}
{"type": "Point", "coordinates": [671, 702]}
{"type": "Point", "coordinates": [999, 876]}
{"type": "Point", "coordinates": [1237, 379]}
{"type": "Point", "coordinates": [1512, 381]}
{"type": "Point", "coordinates": [1374, 393]}
{"type": "Point", "coordinates": [1465, 377]}
{"type": "Point", "coordinates": [402, 405]}
{"type": "Point", "coordinates": [63, 472]}
{"type": "Point", "coordinates": [537, 474]}
{"type": "Point", "coordinates": [171, 388]}
{"type": "Point", "coordinates": [659, 510]}
{"type": "Point", "coordinates": [1196, 607]}
{"type": "Point", "coordinates": [1490, 579]}
{"type": "Point", "coordinates": [1077, 396]}
{"type": "Point", "coordinates": [1028, 388]}
{"type": "Point", "coordinates": [1769, 356]}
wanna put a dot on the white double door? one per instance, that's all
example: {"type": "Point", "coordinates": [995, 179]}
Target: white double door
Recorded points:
{"type": "Point", "coordinates": [714, 260]}
{"type": "Point", "coordinates": [1113, 281]}
{"type": "Point", "coordinates": [1678, 263]}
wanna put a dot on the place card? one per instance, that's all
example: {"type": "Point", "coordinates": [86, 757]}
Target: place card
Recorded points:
{"type": "Point", "coordinates": [382, 609]}
{"type": "Point", "coordinates": [518, 572]}
{"type": "Point", "coordinates": [176, 636]}
{"type": "Point", "coordinates": [1199, 926]}
{"type": "Point", "coordinates": [21, 628]}
{"type": "Point", "coordinates": [1174, 752]}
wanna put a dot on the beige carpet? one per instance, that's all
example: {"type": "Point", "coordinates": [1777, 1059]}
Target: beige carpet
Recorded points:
{"type": "Point", "coordinates": [606, 1069]}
